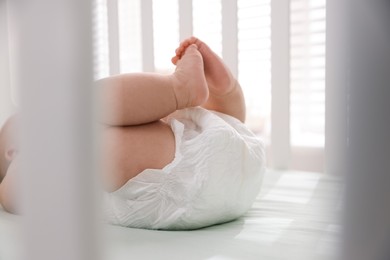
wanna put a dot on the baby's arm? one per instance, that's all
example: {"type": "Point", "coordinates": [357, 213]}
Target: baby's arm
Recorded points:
{"type": "Point", "coordinates": [7, 190]}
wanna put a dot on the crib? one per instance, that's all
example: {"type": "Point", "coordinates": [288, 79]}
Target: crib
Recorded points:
{"type": "Point", "coordinates": [297, 213]}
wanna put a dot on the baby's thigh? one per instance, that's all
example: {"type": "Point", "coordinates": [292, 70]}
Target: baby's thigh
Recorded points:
{"type": "Point", "coordinates": [127, 151]}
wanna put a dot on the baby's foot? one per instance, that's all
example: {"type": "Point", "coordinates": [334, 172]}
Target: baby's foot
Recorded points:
{"type": "Point", "coordinates": [219, 78]}
{"type": "Point", "coordinates": [189, 82]}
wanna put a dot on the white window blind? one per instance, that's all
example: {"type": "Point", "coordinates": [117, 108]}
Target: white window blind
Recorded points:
{"type": "Point", "coordinates": [307, 51]}
{"type": "Point", "coordinates": [166, 33]}
{"type": "Point", "coordinates": [254, 62]}
{"type": "Point", "coordinates": [207, 23]}
{"type": "Point", "coordinates": [130, 44]}
{"type": "Point", "coordinates": [100, 39]}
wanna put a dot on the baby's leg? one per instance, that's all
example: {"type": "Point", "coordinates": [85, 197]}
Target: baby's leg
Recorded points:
{"type": "Point", "coordinates": [139, 98]}
{"type": "Point", "coordinates": [225, 92]}
{"type": "Point", "coordinates": [127, 151]}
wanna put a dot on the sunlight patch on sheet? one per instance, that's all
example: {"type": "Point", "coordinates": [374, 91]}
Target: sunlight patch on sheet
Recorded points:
{"type": "Point", "coordinates": [294, 188]}
{"type": "Point", "coordinates": [329, 244]}
{"type": "Point", "coordinates": [263, 230]}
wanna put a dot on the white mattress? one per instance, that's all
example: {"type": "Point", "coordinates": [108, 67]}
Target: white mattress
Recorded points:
{"type": "Point", "coordinates": [294, 217]}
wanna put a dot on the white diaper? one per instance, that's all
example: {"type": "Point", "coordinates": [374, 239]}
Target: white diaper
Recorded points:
{"type": "Point", "coordinates": [214, 177]}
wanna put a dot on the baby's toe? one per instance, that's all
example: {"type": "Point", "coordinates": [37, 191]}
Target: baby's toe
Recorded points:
{"type": "Point", "coordinates": [175, 60]}
{"type": "Point", "coordinates": [178, 51]}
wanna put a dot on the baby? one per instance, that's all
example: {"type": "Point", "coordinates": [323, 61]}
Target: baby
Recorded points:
{"type": "Point", "coordinates": [176, 152]}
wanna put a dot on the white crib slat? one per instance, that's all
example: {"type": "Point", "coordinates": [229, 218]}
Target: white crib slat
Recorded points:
{"type": "Point", "coordinates": [56, 170]}
{"type": "Point", "coordinates": [280, 70]}
{"type": "Point", "coordinates": [230, 34]}
{"type": "Point", "coordinates": [147, 36]}
{"type": "Point", "coordinates": [185, 19]}
{"type": "Point", "coordinates": [336, 107]}
{"type": "Point", "coordinates": [113, 36]}
{"type": "Point", "coordinates": [5, 90]}
{"type": "Point", "coordinates": [365, 78]}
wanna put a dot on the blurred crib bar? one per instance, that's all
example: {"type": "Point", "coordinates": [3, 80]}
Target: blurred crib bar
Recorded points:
{"type": "Point", "coordinates": [56, 174]}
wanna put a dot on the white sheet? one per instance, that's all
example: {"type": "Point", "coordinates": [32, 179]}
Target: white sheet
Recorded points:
{"type": "Point", "coordinates": [294, 217]}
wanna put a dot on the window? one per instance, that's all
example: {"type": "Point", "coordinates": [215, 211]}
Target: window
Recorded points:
{"type": "Point", "coordinates": [307, 53]}
{"type": "Point", "coordinates": [207, 23]}
{"type": "Point", "coordinates": [100, 39]}
{"type": "Point", "coordinates": [254, 62]}
{"type": "Point", "coordinates": [166, 33]}
{"type": "Point", "coordinates": [130, 36]}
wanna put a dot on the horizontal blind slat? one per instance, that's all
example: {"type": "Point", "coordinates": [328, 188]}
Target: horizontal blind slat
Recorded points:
{"type": "Point", "coordinates": [307, 67]}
